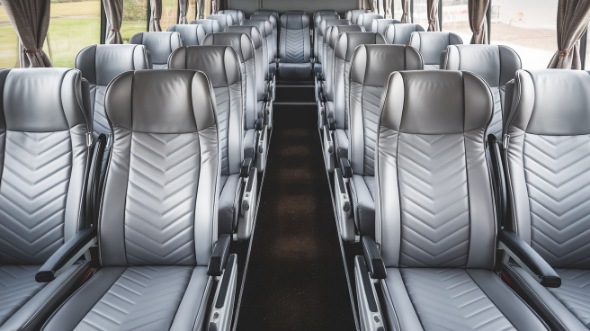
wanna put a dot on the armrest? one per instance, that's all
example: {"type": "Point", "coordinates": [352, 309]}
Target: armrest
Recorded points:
{"type": "Point", "coordinates": [373, 257]}
{"type": "Point", "coordinates": [66, 255]}
{"type": "Point", "coordinates": [345, 167]}
{"type": "Point", "coordinates": [528, 258]}
{"type": "Point", "coordinates": [246, 166]}
{"type": "Point", "coordinates": [248, 205]}
{"type": "Point", "coordinates": [219, 255]}
{"type": "Point", "coordinates": [259, 123]}
{"type": "Point", "coordinates": [93, 183]}
{"type": "Point", "coordinates": [499, 178]}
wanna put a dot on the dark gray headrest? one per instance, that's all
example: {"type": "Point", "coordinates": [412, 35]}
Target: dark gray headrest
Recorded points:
{"type": "Point", "coordinates": [352, 15]}
{"type": "Point", "coordinates": [321, 15]}
{"type": "Point", "coordinates": [237, 15]}
{"type": "Point", "coordinates": [267, 17]}
{"type": "Point", "coordinates": [551, 102]}
{"type": "Point", "coordinates": [251, 31]}
{"type": "Point", "coordinates": [371, 65]}
{"type": "Point", "coordinates": [159, 44]}
{"type": "Point", "coordinates": [224, 20]}
{"type": "Point", "coordinates": [496, 64]}
{"type": "Point", "coordinates": [191, 34]}
{"type": "Point", "coordinates": [432, 44]}
{"type": "Point", "coordinates": [55, 98]}
{"type": "Point", "coordinates": [366, 20]}
{"type": "Point", "coordinates": [264, 26]}
{"type": "Point", "coordinates": [324, 17]}
{"type": "Point", "coordinates": [161, 101]}
{"type": "Point", "coordinates": [294, 20]}
{"type": "Point", "coordinates": [240, 42]}
{"type": "Point", "coordinates": [210, 26]}
{"type": "Point", "coordinates": [436, 102]}
{"type": "Point", "coordinates": [325, 24]}
{"type": "Point", "coordinates": [349, 41]}
{"type": "Point", "coordinates": [335, 31]}
{"type": "Point", "coordinates": [101, 63]}
{"type": "Point", "coordinates": [267, 12]}
{"type": "Point", "coordinates": [220, 63]}
{"type": "Point", "coordinates": [400, 33]}
{"type": "Point", "coordinates": [380, 25]}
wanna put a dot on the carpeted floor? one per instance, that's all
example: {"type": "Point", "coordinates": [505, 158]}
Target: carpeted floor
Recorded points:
{"type": "Point", "coordinates": [295, 278]}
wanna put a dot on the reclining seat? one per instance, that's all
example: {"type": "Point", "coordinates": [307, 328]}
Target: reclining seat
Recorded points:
{"type": "Point", "coordinates": [318, 35]}
{"type": "Point", "coordinates": [326, 60]}
{"type": "Point", "coordinates": [159, 46]}
{"type": "Point", "coordinates": [432, 45]}
{"type": "Point", "coordinates": [496, 64]}
{"type": "Point", "coordinates": [236, 14]}
{"type": "Point", "coordinates": [294, 45]}
{"type": "Point", "coordinates": [190, 34]}
{"type": "Point", "coordinates": [547, 146]}
{"type": "Point", "coordinates": [46, 126]}
{"type": "Point", "coordinates": [400, 33]}
{"type": "Point", "coordinates": [222, 66]}
{"type": "Point", "coordinates": [265, 28]}
{"type": "Point", "coordinates": [273, 44]}
{"type": "Point", "coordinates": [366, 20]}
{"type": "Point", "coordinates": [436, 224]}
{"type": "Point", "coordinates": [157, 229]}
{"type": "Point", "coordinates": [256, 132]}
{"type": "Point", "coordinates": [352, 15]}
{"type": "Point", "coordinates": [380, 25]}
{"type": "Point", "coordinates": [370, 68]}
{"type": "Point", "coordinates": [223, 20]}
{"type": "Point", "coordinates": [210, 26]}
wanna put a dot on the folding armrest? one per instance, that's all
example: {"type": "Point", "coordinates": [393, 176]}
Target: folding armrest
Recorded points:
{"type": "Point", "coordinates": [261, 148]}
{"type": "Point", "coordinates": [328, 148]}
{"type": "Point", "coordinates": [343, 207]}
{"type": "Point", "coordinates": [370, 314]}
{"type": "Point", "coordinates": [66, 255]}
{"type": "Point", "coordinates": [93, 189]}
{"type": "Point", "coordinates": [225, 265]}
{"type": "Point", "coordinates": [498, 178]}
{"type": "Point", "coordinates": [373, 258]}
{"type": "Point", "coordinates": [528, 258]}
{"type": "Point", "coordinates": [249, 199]}
{"type": "Point", "coordinates": [219, 255]}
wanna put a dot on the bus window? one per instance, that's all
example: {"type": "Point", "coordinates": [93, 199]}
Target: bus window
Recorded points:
{"type": "Point", "coordinates": [456, 18]}
{"type": "Point", "coordinates": [8, 42]}
{"type": "Point", "coordinates": [169, 13]}
{"type": "Point", "coordinates": [135, 18]}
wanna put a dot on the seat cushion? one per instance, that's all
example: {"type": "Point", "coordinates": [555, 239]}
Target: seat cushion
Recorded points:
{"type": "Point", "coordinates": [229, 200]}
{"type": "Point", "coordinates": [457, 299]}
{"type": "Point", "coordinates": [363, 202]}
{"type": "Point", "coordinates": [136, 298]}
{"type": "Point", "coordinates": [24, 301]}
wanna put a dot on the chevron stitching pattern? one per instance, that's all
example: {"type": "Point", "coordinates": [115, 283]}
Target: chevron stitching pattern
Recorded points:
{"type": "Point", "coordinates": [159, 213]}
{"type": "Point", "coordinates": [35, 181]}
{"type": "Point", "coordinates": [295, 45]}
{"type": "Point", "coordinates": [434, 200]}
{"type": "Point", "coordinates": [371, 114]}
{"type": "Point", "coordinates": [17, 286]}
{"type": "Point", "coordinates": [574, 292]}
{"type": "Point", "coordinates": [143, 298]}
{"type": "Point", "coordinates": [556, 170]}
{"type": "Point", "coordinates": [101, 124]}
{"type": "Point", "coordinates": [222, 98]}
{"type": "Point", "coordinates": [495, 126]}
{"type": "Point", "coordinates": [448, 299]}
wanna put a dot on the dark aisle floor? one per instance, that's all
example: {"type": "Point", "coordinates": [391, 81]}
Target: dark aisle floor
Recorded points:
{"type": "Point", "coordinates": [295, 278]}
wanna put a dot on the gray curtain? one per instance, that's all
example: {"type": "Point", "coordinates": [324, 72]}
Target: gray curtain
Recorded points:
{"type": "Point", "coordinates": [388, 7]}
{"type": "Point", "coordinates": [407, 15]}
{"type": "Point", "coordinates": [182, 8]}
{"type": "Point", "coordinates": [30, 19]}
{"type": "Point", "coordinates": [113, 10]}
{"type": "Point", "coordinates": [572, 19]}
{"type": "Point", "coordinates": [200, 9]}
{"type": "Point", "coordinates": [477, 20]}
{"type": "Point", "coordinates": [155, 15]}
{"type": "Point", "coordinates": [433, 23]}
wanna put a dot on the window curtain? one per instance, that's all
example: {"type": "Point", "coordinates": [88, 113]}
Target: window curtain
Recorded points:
{"type": "Point", "coordinates": [113, 10]}
{"type": "Point", "coordinates": [388, 7]}
{"type": "Point", "coordinates": [30, 19]}
{"type": "Point", "coordinates": [155, 15]}
{"type": "Point", "coordinates": [433, 23]}
{"type": "Point", "coordinates": [572, 20]}
{"type": "Point", "coordinates": [477, 20]}
{"type": "Point", "coordinates": [182, 8]}
{"type": "Point", "coordinates": [200, 9]}
{"type": "Point", "coordinates": [407, 15]}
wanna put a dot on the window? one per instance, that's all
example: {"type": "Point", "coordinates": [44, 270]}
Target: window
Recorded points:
{"type": "Point", "coordinates": [74, 24]}
{"type": "Point", "coordinates": [420, 13]}
{"type": "Point", "coordinates": [455, 18]}
{"type": "Point", "coordinates": [191, 11]}
{"type": "Point", "coordinates": [528, 26]}
{"type": "Point", "coordinates": [8, 42]}
{"type": "Point", "coordinates": [135, 18]}
{"type": "Point", "coordinates": [169, 13]}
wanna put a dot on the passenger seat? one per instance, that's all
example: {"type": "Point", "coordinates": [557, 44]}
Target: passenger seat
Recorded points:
{"type": "Point", "coordinates": [366, 20]}
{"type": "Point", "coordinates": [223, 20]}
{"type": "Point", "coordinates": [380, 25]}
{"type": "Point", "coordinates": [400, 33]}
{"type": "Point", "coordinates": [432, 45]}
{"type": "Point", "coordinates": [159, 46]}
{"type": "Point", "coordinates": [266, 29]}
{"type": "Point", "coordinates": [294, 46]}
{"type": "Point", "coordinates": [190, 34]}
{"type": "Point", "coordinates": [210, 26]}
{"type": "Point", "coordinates": [236, 14]}
{"type": "Point", "coordinates": [352, 15]}
{"type": "Point", "coordinates": [318, 35]}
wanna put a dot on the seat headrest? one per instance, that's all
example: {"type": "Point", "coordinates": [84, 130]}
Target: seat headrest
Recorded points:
{"type": "Point", "coordinates": [224, 20]}
{"type": "Point", "coordinates": [220, 63]}
{"type": "Point", "coordinates": [400, 33]}
{"type": "Point", "coordinates": [436, 102]}
{"type": "Point", "coordinates": [210, 26]}
{"type": "Point", "coordinates": [380, 25]}
{"type": "Point", "coordinates": [349, 41]}
{"type": "Point", "coordinates": [267, 12]}
{"type": "Point", "coordinates": [335, 31]}
{"type": "Point", "coordinates": [56, 98]}
{"type": "Point", "coordinates": [295, 20]}
{"type": "Point", "coordinates": [325, 24]}
{"type": "Point", "coordinates": [159, 44]}
{"type": "Point", "coordinates": [237, 15]}
{"type": "Point", "coordinates": [366, 20]}
{"type": "Point", "coordinates": [191, 34]}
{"type": "Point", "coordinates": [100, 64]}
{"type": "Point", "coordinates": [431, 44]}
{"type": "Point", "coordinates": [352, 15]}
{"type": "Point", "coordinates": [240, 42]}
{"type": "Point", "coordinates": [267, 17]}
{"type": "Point", "coordinates": [251, 31]}
{"type": "Point", "coordinates": [496, 64]}
{"type": "Point", "coordinates": [551, 102]}
{"type": "Point", "coordinates": [161, 101]}
{"type": "Point", "coordinates": [321, 15]}
{"type": "Point", "coordinates": [264, 26]}
{"type": "Point", "coordinates": [371, 65]}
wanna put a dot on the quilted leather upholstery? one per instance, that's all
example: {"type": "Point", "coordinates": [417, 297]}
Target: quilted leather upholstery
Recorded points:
{"type": "Point", "coordinates": [223, 20]}
{"type": "Point", "coordinates": [190, 34]}
{"type": "Point", "coordinates": [432, 44]}
{"type": "Point", "coordinates": [399, 34]}
{"type": "Point", "coordinates": [159, 45]}
{"type": "Point", "coordinates": [210, 26]}
{"type": "Point", "coordinates": [366, 20]}
{"type": "Point", "coordinates": [294, 42]}
{"type": "Point", "coordinates": [236, 14]}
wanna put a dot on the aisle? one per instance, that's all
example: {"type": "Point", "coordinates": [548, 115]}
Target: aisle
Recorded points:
{"type": "Point", "coordinates": [295, 278]}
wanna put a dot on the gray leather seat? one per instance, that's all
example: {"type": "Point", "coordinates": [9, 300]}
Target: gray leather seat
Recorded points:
{"type": "Point", "coordinates": [157, 225]}
{"type": "Point", "coordinates": [432, 45]}
{"type": "Point", "coordinates": [370, 68]}
{"type": "Point", "coordinates": [399, 34]}
{"type": "Point", "coordinates": [273, 43]}
{"type": "Point", "coordinates": [223, 20]}
{"type": "Point", "coordinates": [436, 219]}
{"type": "Point", "coordinates": [265, 28]}
{"type": "Point", "coordinates": [159, 46]}
{"type": "Point", "coordinates": [547, 132]}
{"type": "Point", "coordinates": [366, 20]}
{"type": "Point", "coordinates": [46, 123]}
{"type": "Point", "coordinates": [268, 12]}
{"type": "Point", "coordinates": [294, 45]}
{"type": "Point", "coordinates": [318, 34]}
{"type": "Point", "coordinates": [190, 34]}
{"type": "Point", "coordinates": [352, 15]}
{"type": "Point", "coordinates": [221, 64]}
{"type": "Point", "coordinates": [496, 64]}
{"type": "Point", "coordinates": [236, 14]}
{"type": "Point", "coordinates": [380, 25]}
{"type": "Point", "coordinates": [323, 31]}
{"type": "Point", "coordinates": [210, 26]}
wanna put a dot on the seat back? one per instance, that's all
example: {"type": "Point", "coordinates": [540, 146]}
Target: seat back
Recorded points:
{"type": "Point", "coordinates": [190, 34]}
{"type": "Point", "coordinates": [44, 130]}
{"type": "Point", "coordinates": [320, 15]}
{"type": "Point", "coordinates": [99, 65]}
{"type": "Point", "coordinates": [496, 64]}
{"type": "Point", "coordinates": [352, 15]}
{"type": "Point", "coordinates": [223, 20]}
{"type": "Point", "coordinates": [261, 57]}
{"type": "Point", "coordinates": [244, 48]}
{"type": "Point", "coordinates": [548, 133]}
{"type": "Point", "coordinates": [434, 205]}
{"type": "Point", "coordinates": [267, 12]}
{"type": "Point", "coordinates": [432, 44]}
{"type": "Point", "coordinates": [210, 26]}
{"type": "Point", "coordinates": [343, 49]}
{"type": "Point", "coordinates": [366, 20]}
{"type": "Point", "coordinates": [318, 35]}
{"type": "Point", "coordinates": [266, 30]}
{"type": "Point", "coordinates": [274, 21]}
{"type": "Point", "coordinates": [399, 34]}
{"type": "Point", "coordinates": [160, 195]}
{"type": "Point", "coordinates": [323, 31]}
{"type": "Point", "coordinates": [332, 35]}
{"type": "Point", "coordinates": [159, 45]}
{"type": "Point", "coordinates": [236, 14]}
{"type": "Point", "coordinates": [380, 25]}
{"type": "Point", "coordinates": [294, 42]}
